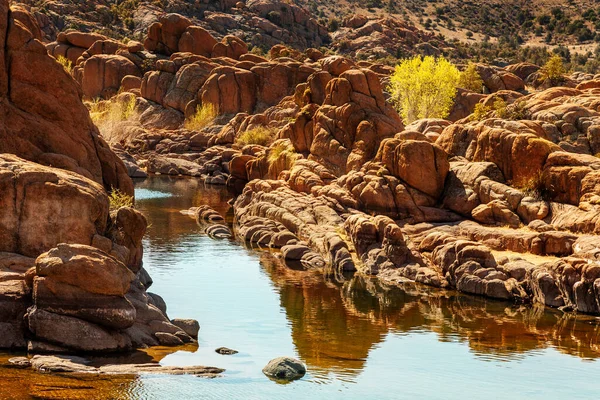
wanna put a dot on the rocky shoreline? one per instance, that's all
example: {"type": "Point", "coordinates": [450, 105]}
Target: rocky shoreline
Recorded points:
{"type": "Point", "coordinates": [71, 274]}
{"type": "Point", "coordinates": [501, 207]}
{"type": "Point", "coordinates": [507, 208]}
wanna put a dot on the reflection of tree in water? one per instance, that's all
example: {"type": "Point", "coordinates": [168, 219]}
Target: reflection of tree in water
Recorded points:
{"type": "Point", "coordinates": [334, 325]}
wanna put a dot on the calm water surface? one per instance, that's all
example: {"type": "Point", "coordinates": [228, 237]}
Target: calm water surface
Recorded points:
{"type": "Point", "coordinates": [359, 339]}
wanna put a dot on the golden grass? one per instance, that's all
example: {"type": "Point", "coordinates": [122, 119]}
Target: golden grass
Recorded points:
{"type": "Point", "coordinates": [66, 63]}
{"type": "Point", "coordinates": [203, 117]}
{"type": "Point", "coordinates": [107, 115]}
{"type": "Point", "coordinates": [262, 136]}
{"type": "Point", "coordinates": [118, 199]}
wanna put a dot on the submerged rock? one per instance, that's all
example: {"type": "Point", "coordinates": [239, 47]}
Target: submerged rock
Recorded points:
{"type": "Point", "coordinates": [284, 369]}
{"type": "Point", "coordinates": [79, 365]}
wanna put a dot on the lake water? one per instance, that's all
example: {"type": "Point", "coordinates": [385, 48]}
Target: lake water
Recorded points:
{"type": "Point", "coordinates": [360, 339]}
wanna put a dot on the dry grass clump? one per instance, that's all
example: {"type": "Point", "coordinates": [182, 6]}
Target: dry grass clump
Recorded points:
{"type": "Point", "coordinates": [261, 135]}
{"type": "Point", "coordinates": [535, 187]}
{"type": "Point", "coordinates": [118, 199]}
{"type": "Point", "coordinates": [66, 63]}
{"type": "Point", "coordinates": [283, 151]}
{"type": "Point", "coordinates": [204, 116]}
{"type": "Point", "coordinates": [108, 114]}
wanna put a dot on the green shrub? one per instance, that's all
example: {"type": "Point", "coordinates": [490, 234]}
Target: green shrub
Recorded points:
{"type": "Point", "coordinates": [515, 111]}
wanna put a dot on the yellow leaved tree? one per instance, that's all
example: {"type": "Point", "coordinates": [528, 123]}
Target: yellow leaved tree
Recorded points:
{"type": "Point", "coordinates": [424, 88]}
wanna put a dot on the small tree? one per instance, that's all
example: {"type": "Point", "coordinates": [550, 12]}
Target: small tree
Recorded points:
{"type": "Point", "coordinates": [554, 69]}
{"type": "Point", "coordinates": [424, 88]}
{"type": "Point", "coordinates": [470, 79]}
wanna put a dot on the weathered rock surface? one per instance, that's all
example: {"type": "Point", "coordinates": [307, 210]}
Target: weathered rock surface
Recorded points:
{"type": "Point", "coordinates": [45, 119]}
{"type": "Point", "coordinates": [284, 369]}
{"type": "Point", "coordinates": [34, 219]}
{"type": "Point", "coordinates": [72, 365]}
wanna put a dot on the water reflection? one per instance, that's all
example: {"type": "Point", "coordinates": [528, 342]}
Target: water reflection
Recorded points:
{"type": "Point", "coordinates": [359, 337]}
{"type": "Point", "coordinates": [335, 325]}
{"type": "Point", "coordinates": [164, 197]}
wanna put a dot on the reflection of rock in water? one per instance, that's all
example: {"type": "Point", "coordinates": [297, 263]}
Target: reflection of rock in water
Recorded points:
{"type": "Point", "coordinates": [327, 335]}
{"type": "Point", "coordinates": [335, 325]}
{"type": "Point", "coordinates": [28, 384]}
{"type": "Point", "coordinates": [168, 224]}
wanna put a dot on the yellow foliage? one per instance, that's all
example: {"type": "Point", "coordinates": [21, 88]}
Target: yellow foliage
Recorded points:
{"type": "Point", "coordinates": [118, 199]}
{"type": "Point", "coordinates": [203, 117]}
{"type": "Point", "coordinates": [500, 108]}
{"type": "Point", "coordinates": [480, 112]}
{"type": "Point", "coordinates": [261, 136]}
{"type": "Point", "coordinates": [470, 79]}
{"type": "Point", "coordinates": [554, 69]}
{"type": "Point", "coordinates": [66, 63]}
{"type": "Point", "coordinates": [424, 88]}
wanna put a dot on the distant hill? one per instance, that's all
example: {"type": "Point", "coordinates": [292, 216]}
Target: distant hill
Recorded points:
{"type": "Point", "coordinates": [488, 30]}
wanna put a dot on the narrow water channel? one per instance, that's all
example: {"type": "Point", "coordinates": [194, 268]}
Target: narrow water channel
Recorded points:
{"type": "Point", "coordinates": [359, 339]}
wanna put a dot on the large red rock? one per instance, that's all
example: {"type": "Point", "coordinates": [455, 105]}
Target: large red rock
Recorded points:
{"type": "Point", "coordinates": [44, 119]}
{"type": "Point", "coordinates": [45, 206]}
{"type": "Point", "coordinates": [100, 76]}
{"type": "Point", "coordinates": [416, 161]}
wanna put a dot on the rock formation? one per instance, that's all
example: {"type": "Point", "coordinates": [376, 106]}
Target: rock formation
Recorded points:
{"type": "Point", "coordinates": [71, 269]}
{"type": "Point", "coordinates": [45, 121]}
{"type": "Point", "coordinates": [504, 205]}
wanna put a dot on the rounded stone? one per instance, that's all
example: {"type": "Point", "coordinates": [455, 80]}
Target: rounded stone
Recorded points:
{"type": "Point", "coordinates": [284, 369]}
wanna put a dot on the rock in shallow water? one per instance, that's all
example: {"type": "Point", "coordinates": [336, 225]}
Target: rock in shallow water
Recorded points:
{"type": "Point", "coordinates": [225, 351]}
{"type": "Point", "coordinates": [284, 369]}
{"type": "Point", "coordinates": [189, 326]}
{"type": "Point", "coordinates": [79, 365]}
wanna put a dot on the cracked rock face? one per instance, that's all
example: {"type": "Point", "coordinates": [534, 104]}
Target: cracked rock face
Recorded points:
{"type": "Point", "coordinates": [71, 275]}
{"type": "Point", "coordinates": [44, 119]}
